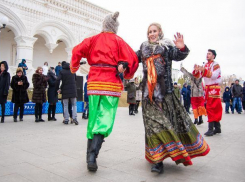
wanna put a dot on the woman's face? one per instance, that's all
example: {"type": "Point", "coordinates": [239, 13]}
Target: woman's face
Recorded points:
{"type": "Point", "coordinates": [2, 67]}
{"type": "Point", "coordinates": [153, 33]}
{"type": "Point", "coordinates": [19, 74]}
{"type": "Point", "coordinates": [40, 71]}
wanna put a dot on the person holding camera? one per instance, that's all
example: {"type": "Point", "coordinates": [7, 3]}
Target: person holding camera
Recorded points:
{"type": "Point", "coordinates": [19, 84]}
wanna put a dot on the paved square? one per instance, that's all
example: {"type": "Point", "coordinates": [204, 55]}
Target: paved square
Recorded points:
{"type": "Point", "coordinates": [54, 152]}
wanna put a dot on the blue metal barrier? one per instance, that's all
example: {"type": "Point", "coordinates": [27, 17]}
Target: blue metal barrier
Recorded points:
{"type": "Point", "coordinates": [29, 108]}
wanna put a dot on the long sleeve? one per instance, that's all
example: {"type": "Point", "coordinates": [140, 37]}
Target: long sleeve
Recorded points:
{"type": "Point", "coordinates": [185, 72]}
{"type": "Point", "coordinates": [79, 52]}
{"type": "Point", "coordinates": [178, 55]}
{"type": "Point", "coordinates": [6, 89]}
{"type": "Point", "coordinates": [213, 74]}
{"type": "Point", "coordinates": [126, 54]}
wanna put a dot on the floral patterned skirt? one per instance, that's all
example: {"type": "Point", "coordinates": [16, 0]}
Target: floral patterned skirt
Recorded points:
{"type": "Point", "coordinates": [169, 132]}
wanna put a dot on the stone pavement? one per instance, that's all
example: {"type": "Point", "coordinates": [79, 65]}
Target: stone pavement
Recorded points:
{"type": "Point", "coordinates": [54, 152]}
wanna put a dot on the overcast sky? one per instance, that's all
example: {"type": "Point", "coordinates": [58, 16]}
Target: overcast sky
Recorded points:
{"type": "Point", "coordinates": [215, 24]}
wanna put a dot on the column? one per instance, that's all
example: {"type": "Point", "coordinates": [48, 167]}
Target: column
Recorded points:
{"type": "Point", "coordinates": [25, 49]}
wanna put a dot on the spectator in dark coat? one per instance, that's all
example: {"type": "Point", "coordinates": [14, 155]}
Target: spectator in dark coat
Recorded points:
{"type": "Point", "coordinates": [86, 109]}
{"type": "Point", "coordinates": [4, 86]}
{"type": "Point", "coordinates": [52, 94]}
{"type": "Point", "coordinates": [57, 69]}
{"type": "Point", "coordinates": [131, 96]}
{"type": "Point", "coordinates": [39, 92]}
{"type": "Point", "coordinates": [227, 99]}
{"type": "Point", "coordinates": [68, 91]}
{"type": "Point", "coordinates": [19, 84]}
{"type": "Point", "coordinates": [243, 96]}
{"type": "Point", "coordinates": [186, 97]}
{"type": "Point", "coordinates": [23, 66]}
{"type": "Point", "coordinates": [237, 96]}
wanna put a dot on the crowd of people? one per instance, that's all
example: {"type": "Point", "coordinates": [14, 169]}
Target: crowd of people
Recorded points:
{"type": "Point", "coordinates": [169, 130]}
{"type": "Point", "coordinates": [45, 79]}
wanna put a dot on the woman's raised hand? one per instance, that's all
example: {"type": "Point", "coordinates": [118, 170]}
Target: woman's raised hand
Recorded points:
{"type": "Point", "coordinates": [179, 41]}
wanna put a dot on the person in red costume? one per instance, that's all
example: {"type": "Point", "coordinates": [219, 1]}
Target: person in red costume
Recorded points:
{"type": "Point", "coordinates": [212, 77]}
{"type": "Point", "coordinates": [108, 55]}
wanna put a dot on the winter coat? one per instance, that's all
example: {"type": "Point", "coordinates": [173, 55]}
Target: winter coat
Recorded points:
{"type": "Point", "coordinates": [45, 70]}
{"type": "Point", "coordinates": [19, 94]}
{"type": "Point", "coordinates": [196, 84]}
{"type": "Point", "coordinates": [163, 65]}
{"type": "Point", "coordinates": [4, 83]}
{"type": "Point", "coordinates": [227, 95]}
{"type": "Point", "coordinates": [188, 98]}
{"type": "Point", "coordinates": [243, 93]}
{"type": "Point", "coordinates": [138, 92]}
{"type": "Point", "coordinates": [52, 92]}
{"type": "Point", "coordinates": [39, 87]}
{"type": "Point", "coordinates": [23, 66]}
{"type": "Point", "coordinates": [236, 90]}
{"type": "Point", "coordinates": [57, 70]}
{"type": "Point", "coordinates": [68, 87]}
{"type": "Point", "coordinates": [184, 92]}
{"type": "Point", "coordinates": [131, 96]}
{"type": "Point", "coordinates": [177, 92]}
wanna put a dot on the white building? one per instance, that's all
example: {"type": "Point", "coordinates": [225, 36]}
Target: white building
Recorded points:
{"type": "Point", "coordinates": [46, 30]}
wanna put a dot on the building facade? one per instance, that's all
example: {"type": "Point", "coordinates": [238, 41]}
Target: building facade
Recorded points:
{"type": "Point", "coordinates": [46, 30]}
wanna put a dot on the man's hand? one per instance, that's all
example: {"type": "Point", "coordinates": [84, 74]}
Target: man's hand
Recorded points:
{"type": "Point", "coordinates": [120, 68]}
{"type": "Point", "coordinates": [201, 68]}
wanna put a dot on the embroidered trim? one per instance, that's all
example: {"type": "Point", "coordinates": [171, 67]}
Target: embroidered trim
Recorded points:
{"type": "Point", "coordinates": [101, 92]}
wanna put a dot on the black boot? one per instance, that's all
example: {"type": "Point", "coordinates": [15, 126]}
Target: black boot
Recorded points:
{"type": "Point", "coordinates": [36, 119]}
{"type": "Point", "coordinates": [157, 167]}
{"type": "Point", "coordinates": [15, 119]}
{"type": "Point", "coordinates": [83, 117]}
{"type": "Point", "coordinates": [2, 120]}
{"type": "Point", "coordinates": [88, 147]}
{"type": "Point", "coordinates": [53, 113]}
{"type": "Point", "coordinates": [94, 151]}
{"type": "Point", "coordinates": [200, 120]}
{"type": "Point", "coordinates": [50, 107]}
{"type": "Point", "coordinates": [196, 121]}
{"type": "Point", "coordinates": [217, 127]}
{"type": "Point", "coordinates": [210, 131]}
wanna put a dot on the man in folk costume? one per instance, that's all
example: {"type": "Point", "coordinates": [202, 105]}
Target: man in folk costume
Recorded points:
{"type": "Point", "coordinates": [108, 55]}
{"type": "Point", "coordinates": [197, 95]}
{"type": "Point", "coordinates": [212, 77]}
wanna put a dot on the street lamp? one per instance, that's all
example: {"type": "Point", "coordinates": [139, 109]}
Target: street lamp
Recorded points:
{"type": "Point", "coordinates": [4, 21]}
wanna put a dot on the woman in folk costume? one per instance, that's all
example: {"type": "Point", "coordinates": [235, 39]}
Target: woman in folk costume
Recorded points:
{"type": "Point", "coordinates": [108, 55]}
{"type": "Point", "coordinates": [197, 96]}
{"type": "Point", "coordinates": [168, 128]}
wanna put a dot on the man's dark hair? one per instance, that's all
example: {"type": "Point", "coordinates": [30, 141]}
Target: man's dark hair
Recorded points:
{"type": "Point", "coordinates": [213, 51]}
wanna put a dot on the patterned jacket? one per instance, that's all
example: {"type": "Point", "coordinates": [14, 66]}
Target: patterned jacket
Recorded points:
{"type": "Point", "coordinates": [197, 89]}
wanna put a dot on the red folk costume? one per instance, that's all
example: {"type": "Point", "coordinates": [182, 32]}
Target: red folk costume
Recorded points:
{"type": "Point", "coordinates": [104, 52]}
{"type": "Point", "coordinates": [102, 79]}
{"type": "Point", "coordinates": [212, 79]}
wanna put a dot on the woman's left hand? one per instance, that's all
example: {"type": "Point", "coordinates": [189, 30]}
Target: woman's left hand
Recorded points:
{"type": "Point", "coordinates": [179, 41]}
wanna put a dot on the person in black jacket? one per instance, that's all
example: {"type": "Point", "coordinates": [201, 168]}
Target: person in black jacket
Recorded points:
{"type": "Point", "coordinates": [237, 95]}
{"type": "Point", "coordinates": [243, 96]}
{"type": "Point", "coordinates": [4, 86]}
{"type": "Point", "coordinates": [19, 84]}
{"type": "Point", "coordinates": [68, 91]}
{"type": "Point", "coordinates": [227, 99]}
{"type": "Point", "coordinates": [86, 108]}
{"type": "Point", "coordinates": [52, 94]}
